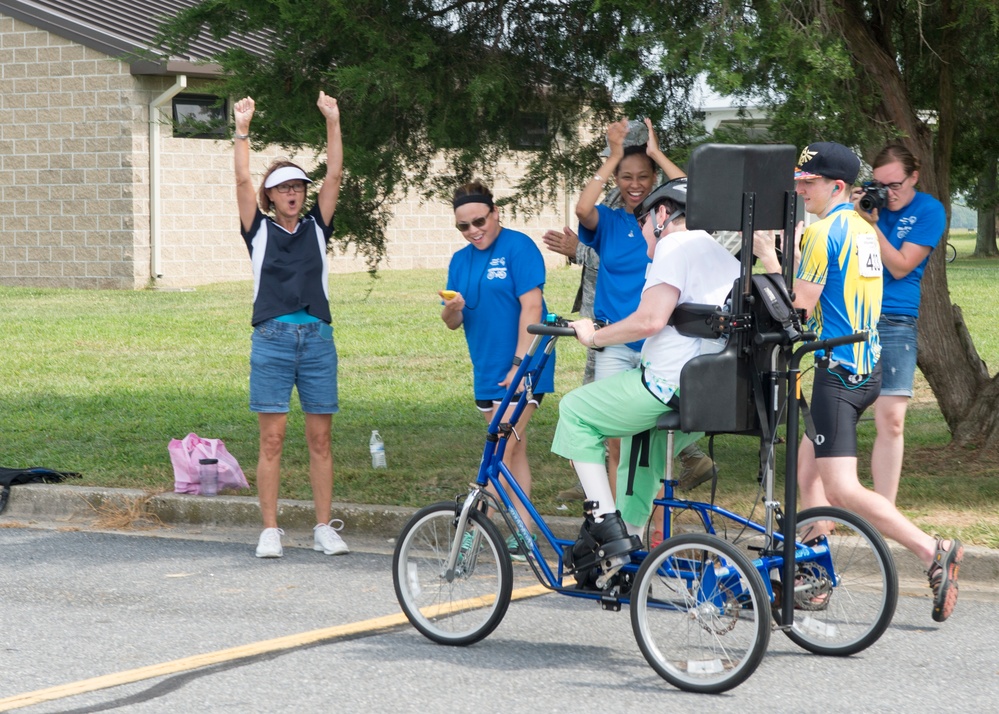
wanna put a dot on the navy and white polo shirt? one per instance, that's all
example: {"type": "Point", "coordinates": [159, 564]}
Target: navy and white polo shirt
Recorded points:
{"type": "Point", "coordinates": [290, 270]}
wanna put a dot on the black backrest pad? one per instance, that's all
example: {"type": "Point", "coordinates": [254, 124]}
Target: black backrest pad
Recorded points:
{"type": "Point", "coordinates": [717, 391]}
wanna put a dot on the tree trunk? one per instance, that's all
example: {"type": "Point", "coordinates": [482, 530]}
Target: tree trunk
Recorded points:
{"type": "Point", "coordinates": [985, 242]}
{"type": "Point", "coordinates": [968, 398]}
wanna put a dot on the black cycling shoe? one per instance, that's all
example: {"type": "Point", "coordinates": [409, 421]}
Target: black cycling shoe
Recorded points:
{"type": "Point", "coordinates": [610, 532]}
{"type": "Point", "coordinates": [600, 550]}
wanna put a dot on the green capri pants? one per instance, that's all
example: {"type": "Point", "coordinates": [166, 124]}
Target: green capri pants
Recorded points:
{"type": "Point", "coordinates": [617, 407]}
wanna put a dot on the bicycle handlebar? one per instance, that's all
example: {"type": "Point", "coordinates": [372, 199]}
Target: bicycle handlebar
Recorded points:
{"type": "Point", "coordinates": [861, 336]}
{"type": "Point", "coordinates": [543, 328]}
{"type": "Point", "coordinates": [778, 338]}
{"type": "Point", "coordinates": [769, 338]}
{"type": "Point", "coordinates": [558, 327]}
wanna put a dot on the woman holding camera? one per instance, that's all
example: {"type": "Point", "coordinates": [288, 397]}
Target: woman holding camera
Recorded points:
{"type": "Point", "coordinates": [909, 226]}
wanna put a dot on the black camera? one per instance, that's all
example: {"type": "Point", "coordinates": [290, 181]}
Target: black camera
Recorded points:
{"type": "Point", "coordinates": [875, 196]}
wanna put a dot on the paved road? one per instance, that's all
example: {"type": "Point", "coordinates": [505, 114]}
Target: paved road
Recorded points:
{"type": "Point", "coordinates": [76, 605]}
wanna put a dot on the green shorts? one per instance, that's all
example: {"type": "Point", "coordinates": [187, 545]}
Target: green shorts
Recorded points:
{"type": "Point", "coordinates": [617, 407]}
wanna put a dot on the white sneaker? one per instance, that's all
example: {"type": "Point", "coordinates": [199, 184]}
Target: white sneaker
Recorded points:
{"type": "Point", "coordinates": [269, 545]}
{"type": "Point", "coordinates": [328, 540]}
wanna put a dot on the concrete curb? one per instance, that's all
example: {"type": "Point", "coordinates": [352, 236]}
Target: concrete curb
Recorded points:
{"type": "Point", "coordinates": [83, 506]}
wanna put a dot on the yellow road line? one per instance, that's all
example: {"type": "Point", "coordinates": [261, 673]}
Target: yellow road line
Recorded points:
{"type": "Point", "coordinates": [187, 664]}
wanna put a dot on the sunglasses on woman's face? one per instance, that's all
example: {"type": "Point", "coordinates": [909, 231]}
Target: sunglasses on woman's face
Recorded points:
{"type": "Point", "coordinates": [462, 226]}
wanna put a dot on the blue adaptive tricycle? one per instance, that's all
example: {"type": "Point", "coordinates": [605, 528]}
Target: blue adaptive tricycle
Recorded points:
{"type": "Point", "coordinates": [702, 606]}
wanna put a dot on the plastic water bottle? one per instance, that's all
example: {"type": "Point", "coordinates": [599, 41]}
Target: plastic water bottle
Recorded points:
{"type": "Point", "coordinates": [209, 472]}
{"type": "Point", "coordinates": [377, 447]}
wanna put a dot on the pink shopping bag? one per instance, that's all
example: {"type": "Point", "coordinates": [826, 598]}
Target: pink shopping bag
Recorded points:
{"type": "Point", "coordinates": [187, 452]}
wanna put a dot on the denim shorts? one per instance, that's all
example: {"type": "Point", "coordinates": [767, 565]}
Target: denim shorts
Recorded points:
{"type": "Point", "coordinates": [613, 359]}
{"type": "Point", "coordinates": [285, 355]}
{"type": "Point", "coordinates": [898, 354]}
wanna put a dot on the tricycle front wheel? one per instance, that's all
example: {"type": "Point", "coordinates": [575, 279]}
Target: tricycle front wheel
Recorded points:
{"type": "Point", "coordinates": [466, 604]}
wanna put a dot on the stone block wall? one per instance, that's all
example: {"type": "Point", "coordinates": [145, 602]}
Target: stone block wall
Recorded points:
{"type": "Point", "coordinates": [201, 230]}
{"type": "Point", "coordinates": [67, 180]}
{"type": "Point", "coordinates": [74, 182]}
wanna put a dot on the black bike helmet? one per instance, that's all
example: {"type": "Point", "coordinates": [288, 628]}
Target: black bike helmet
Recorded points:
{"type": "Point", "coordinates": [674, 190]}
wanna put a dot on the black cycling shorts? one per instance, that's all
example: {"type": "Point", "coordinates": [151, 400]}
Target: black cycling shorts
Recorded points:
{"type": "Point", "coordinates": [838, 400]}
{"type": "Point", "coordinates": [487, 405]}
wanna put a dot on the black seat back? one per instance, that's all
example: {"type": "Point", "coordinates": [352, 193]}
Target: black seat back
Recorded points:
{"type": "Point", "coordinates": [716, 393]}
{"type": "Point", "coordinates": [726, 392]}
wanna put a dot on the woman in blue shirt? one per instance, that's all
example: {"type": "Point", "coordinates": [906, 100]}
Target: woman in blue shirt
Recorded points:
{"type": "Point", "coordinates": [498, 279]}
{"type": "Point", "coordinates": [908, 228]}
{"type": "Point", "coordinates": [617, 239]}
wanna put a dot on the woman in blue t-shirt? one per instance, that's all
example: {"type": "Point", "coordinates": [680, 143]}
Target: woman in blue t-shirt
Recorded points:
{"type": "Point", "coordinates": [615, 236]}
{"type": "Point", "coordinates": [909, 228]}
{"type": "Point", "coordinates": [292, 344]}
{"type": "Point", "coordinates": [498, 281]}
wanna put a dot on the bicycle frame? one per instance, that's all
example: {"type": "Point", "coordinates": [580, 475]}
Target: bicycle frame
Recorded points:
{"type": "Point", "coordinates": [776, 550]}
{"type": "Point", "coordinates": [493, 472]}
{"type": "Point", "coordinates": [771, 555]}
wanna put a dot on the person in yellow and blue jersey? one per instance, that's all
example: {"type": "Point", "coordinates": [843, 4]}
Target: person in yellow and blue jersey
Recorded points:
{"type": "Point", "coordinates": [838, 253]}
{"type": "Point", "coordinates": [839, 284]}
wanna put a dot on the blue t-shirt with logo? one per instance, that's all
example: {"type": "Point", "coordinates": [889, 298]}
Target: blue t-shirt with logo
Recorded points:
{"type": "Point", "coordinates": [624, 260]}
{"type": "Point", "coordinates": [492, 282]}
{"type": "Point", "coordinates": [921, 222]}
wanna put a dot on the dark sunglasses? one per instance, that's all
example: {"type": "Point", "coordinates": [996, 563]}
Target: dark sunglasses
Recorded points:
{"type": "Point", "coordinates": [476, 222]}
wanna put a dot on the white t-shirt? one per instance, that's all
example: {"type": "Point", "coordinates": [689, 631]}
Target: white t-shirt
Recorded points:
{"type": "Point", "coordinates": [703, 271]}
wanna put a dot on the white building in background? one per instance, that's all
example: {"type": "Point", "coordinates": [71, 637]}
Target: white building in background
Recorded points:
{"type": "Point", "coordinates": [721, 111]}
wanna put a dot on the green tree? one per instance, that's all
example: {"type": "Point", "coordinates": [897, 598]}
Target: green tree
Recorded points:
{"type": "Point", "coordinates": [421, 78]}
{"type": "Point", "coordinates": [976, 145]}
{"type": "Point", "coordinates": [865, 71]}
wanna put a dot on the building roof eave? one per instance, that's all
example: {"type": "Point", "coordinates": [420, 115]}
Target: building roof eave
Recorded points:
{"type": "Point", "coordinates": [128, 32]}
{"type": "Point", "coordinates": [67, 27]}
{"type": "Point", "coordinates": [170, 67]}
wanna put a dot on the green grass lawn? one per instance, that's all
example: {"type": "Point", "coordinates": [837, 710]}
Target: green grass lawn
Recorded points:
{"type": "Point", "coordinates": [99, 382]}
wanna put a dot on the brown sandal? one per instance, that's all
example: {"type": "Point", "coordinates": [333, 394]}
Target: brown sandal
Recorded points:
{"type": "Point", "coordinates": [943, 578]}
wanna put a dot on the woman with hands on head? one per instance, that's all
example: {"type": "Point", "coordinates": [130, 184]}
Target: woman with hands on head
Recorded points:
{"type": "Point", "coordinates": [617, 239]}
{"type": "Point", "coordinates": [292, 344]}
{"type": "Point", "coordinates": [494, 291]}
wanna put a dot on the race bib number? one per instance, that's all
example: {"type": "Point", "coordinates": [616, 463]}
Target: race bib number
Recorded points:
{"type": "Point", "coordinates": [869, 253]}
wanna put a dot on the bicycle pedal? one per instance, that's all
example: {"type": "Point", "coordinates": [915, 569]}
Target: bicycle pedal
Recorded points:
{"type": "Point", "coordinates": [611, 603]}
